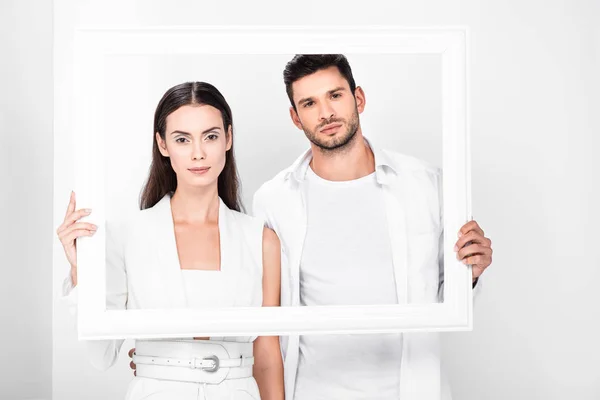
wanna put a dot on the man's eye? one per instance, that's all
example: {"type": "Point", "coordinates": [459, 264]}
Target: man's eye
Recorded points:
{"type": "Point", "coordinates": [336, 95]}
{"type": "Point", "coordinates": [308, 104]}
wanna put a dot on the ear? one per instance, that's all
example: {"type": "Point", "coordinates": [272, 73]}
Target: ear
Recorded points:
{"type": "Point", "coordinates": [229, 138]}
{"type": "Point", "coordinates": [162, 146]}
{"type": "Point", "coordinates": [359, 96]}
{"type": "Point", "coordinates": [295, 118]}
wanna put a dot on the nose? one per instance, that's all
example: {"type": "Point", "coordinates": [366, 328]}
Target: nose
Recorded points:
{"type": "Point", "coordinates": [198, 152]}
{"type": "Point", "coordinates": [326, 112]}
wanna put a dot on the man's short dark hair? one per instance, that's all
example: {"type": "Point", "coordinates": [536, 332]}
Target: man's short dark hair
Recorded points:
{"type": "Point", "coordinates": [305, 64]}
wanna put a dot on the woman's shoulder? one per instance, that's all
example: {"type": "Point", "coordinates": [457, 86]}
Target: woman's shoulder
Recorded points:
{"type": "Point", "coordinates": [135, 221]}
{"type": "Point", "coordinates": [254, 225]}
{"type": "Point", "coordinates": [244, 219]}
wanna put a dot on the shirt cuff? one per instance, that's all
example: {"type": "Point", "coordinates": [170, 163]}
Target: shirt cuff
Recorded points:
{"type": "Point", "coordinates": [70, 295]}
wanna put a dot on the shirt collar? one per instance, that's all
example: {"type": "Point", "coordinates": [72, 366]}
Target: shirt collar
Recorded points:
{"type": "Point", "coordinates": [383, 164]}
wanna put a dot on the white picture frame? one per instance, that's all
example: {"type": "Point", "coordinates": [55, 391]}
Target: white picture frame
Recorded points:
{"type": "Point", "coordinates": [92, 45]}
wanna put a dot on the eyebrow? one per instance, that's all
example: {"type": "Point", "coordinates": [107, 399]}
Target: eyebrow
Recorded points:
{"type": "Point", "coordinates": [189, 134]}
{"type": "Point", "coordinates": [330, 92]}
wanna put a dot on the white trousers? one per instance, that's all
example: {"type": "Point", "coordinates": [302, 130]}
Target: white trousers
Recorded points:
{"type": "Point", "coordinates": [156, 389]}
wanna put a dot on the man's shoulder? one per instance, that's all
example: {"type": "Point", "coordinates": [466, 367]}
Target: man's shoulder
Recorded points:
{"type": "Point", "coordinates": [410, 164]}
{"type": "Point", "coordinates": [273, 186]}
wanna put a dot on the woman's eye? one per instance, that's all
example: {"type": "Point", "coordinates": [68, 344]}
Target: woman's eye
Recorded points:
{"type": "Point", "coordinates": [181, 140]}
{"type": "Point", "coordinates": [212, 136]}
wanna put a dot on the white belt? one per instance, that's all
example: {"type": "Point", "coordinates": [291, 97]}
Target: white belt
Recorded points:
{"type": "Point", "coordinates": [200, 361]}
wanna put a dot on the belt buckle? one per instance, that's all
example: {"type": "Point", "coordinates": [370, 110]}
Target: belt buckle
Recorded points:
{"type": "Point", "coordinates": [215, 366]}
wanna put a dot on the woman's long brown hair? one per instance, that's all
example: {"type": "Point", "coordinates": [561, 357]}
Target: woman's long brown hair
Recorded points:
{"type": "Point", "coordinates": [162, 178]}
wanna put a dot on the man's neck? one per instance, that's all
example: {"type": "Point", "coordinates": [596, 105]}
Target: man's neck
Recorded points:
{"type": "Point", "coordinates": [352, 162]}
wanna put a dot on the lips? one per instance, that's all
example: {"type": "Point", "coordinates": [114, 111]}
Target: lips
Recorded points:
{"type": "Point", "coordinates": [330, 128]}
{"type": "Point", "coordinates": [198, 170]}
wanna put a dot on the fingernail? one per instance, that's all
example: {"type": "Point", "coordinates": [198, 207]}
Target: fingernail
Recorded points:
{"type": "Point", "coordinates": [94, 228]}
{"type": "Point", "coordinates": [459, 234]}
{"type": "Point", "coordinates": [87, 210]}
{"type": "Point", "coordinates": [455, 247]}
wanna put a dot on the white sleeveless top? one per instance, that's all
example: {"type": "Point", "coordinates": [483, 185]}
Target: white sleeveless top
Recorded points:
{"type": "Point", "coordinates": [205, 288]}
{"type": "Point", "coordinates": [239, 281]}
{"type": "Point", "coordinates": [237, 284]}
{"type": "Point", "coordinates": [210, 289]}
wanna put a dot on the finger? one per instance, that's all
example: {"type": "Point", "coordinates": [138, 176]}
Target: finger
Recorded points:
{"type": "Point", "coordinates": [472, 250]}
{"type": "Point", "coordinates": [481, 266]}
{"type": "Point", "coordinates": [469, 238]}
{"type": "Point", "coordinates": [77, 226]}
{"type": "Point", "coordinates": [71, 206]}
{"type": "Point", "coordinates": [481, 260]}
{"type": "Point", "coordinates": [132, 365]}
{"type": "Point", "coordinates": [470, 226]}
{"type": "Point", "coordinates": [73, 217]}
{"type": "Point", "coordinates": [68, 239]}
{"type": "Point", "coordinates": [131, 352]}
{"type": "Point", "coordinates": [81, 225]}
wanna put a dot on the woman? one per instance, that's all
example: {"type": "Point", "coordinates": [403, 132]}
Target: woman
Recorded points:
{"type": "Point", "coordinates": [190, 246]}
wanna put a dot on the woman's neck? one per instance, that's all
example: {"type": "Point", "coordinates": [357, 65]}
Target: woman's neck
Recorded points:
{"type": "Point", "coordinates": [195, 205]}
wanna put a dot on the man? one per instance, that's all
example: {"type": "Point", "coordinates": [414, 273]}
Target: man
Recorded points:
{"type": "Point", "coordinates": [340, 211]}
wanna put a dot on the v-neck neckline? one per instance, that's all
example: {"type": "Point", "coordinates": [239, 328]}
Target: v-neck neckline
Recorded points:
{"type": "Point", "coordinates": [173, 237]}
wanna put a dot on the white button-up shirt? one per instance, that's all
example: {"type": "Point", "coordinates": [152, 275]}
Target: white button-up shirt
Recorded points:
{"type": "Point", "coordinates": [412, 194]}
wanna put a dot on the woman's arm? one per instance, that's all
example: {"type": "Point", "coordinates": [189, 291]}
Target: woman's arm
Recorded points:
{"type": "Point", "coordinates": [102, 353]}
{"type": "Point", "coordinates": [268, 365]}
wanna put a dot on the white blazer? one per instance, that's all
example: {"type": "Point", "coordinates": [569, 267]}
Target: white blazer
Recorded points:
{"type": "Point", "coordinates": [143, 270]}
{"type": "Point", "coordinates": [412, 191]}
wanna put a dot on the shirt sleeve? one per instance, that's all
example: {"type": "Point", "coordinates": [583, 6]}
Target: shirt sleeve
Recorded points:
{"type": "Point", "coordinates": [103, 353]}
{"type": "Point", "coordinates": [259, 207]}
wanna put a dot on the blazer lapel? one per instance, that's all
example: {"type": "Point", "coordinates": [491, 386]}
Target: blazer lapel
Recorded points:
{"type": "Point", "coordinates": [167, 256]}
{"type": "Point", "coordinates": [231, 251]}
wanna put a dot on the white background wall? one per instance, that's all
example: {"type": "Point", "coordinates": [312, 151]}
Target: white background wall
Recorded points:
{"type": "Point", "coordinates": [26, 114]}
{"type": "Point", "coordinates": [534, 107]}
{"type": "Point", "coordinates": [403, 113]}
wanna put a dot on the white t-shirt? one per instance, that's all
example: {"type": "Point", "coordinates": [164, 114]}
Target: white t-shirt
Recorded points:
{"type": "Point", "coordinates": [347, 260]}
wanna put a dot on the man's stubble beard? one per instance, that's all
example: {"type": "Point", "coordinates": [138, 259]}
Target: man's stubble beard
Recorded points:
{"type": "Point", "coordinates": [339, 144]}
